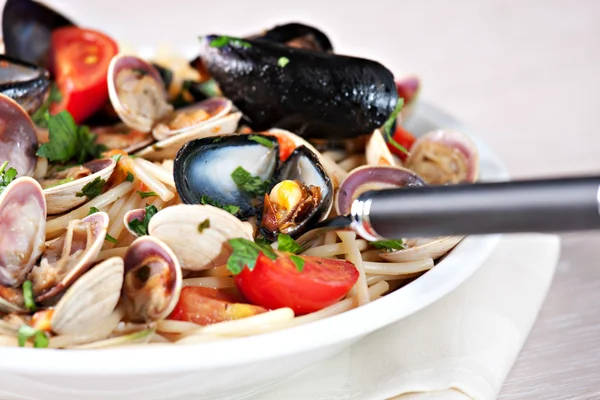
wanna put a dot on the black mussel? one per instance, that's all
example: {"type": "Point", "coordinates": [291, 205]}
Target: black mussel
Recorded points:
{"type": "Point", "coordinates": [313, 94]}
{"type": "Point", "coordinates": [25, 83]}
{"type": "Point", "coordinates": [243, 174]}
{"type": "Point", "coordinates": [26, 30]}
{"type": "Point", "coordinates": [297, 35]}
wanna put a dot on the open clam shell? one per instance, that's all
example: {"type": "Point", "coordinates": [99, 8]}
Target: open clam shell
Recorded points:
{"type": "Point", "coordinates": [152, 280]}
{"type": "Point", "coordinates": [25, 83]}
{"type": "Point", "coordinates": [377, 151]}
{"type": "Point", "coordinates": [91, 299]}
{"type": "Point", "coordinates": [23, 222]}
{"type": "Point", "coordinates": [63, 197]}
{"type": "Point", "coordinates": [131, 215]}
{"type": "Point", "coordinates": [367, 178]}
{"type": "Point", "coordinates": [444, 157]}
{"type": "Point", "coordinates": [18, 138]}
{"type": "Point", "coordinates": [69, 256]}
{"type": "Point", "coordinates": [122, 137]}
{"type": "Point", "coordinates": [418, 249]}
{"type": "Point", "coordinates": [198, 249]}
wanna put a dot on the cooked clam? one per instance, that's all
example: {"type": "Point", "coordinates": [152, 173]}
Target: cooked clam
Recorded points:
{"type": "Point", "coordinates": [122, 137]}
{"type": "Point", "coordinates": [18, 138]}
{"type": "Point", "coordinates": [420, 248]}
{"type": "Point", "coordinates": [152, 280]}
{"type": "Point", "coordinates": [23, 222]}
{"type": "Point", "coordinates": [69, 256]}
{"type": "Point", "coordinates": [25, 83]}
{"type": "Point", "coordinates": [444, 157]}
{"type": "Point", "coordinates": [63, 188]}
{"type": "Point", "coordinates": [196, 243]}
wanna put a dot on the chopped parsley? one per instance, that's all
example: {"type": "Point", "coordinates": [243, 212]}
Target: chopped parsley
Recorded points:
{"type": "Point", "coordinates": [230, 208]}
{"type": "Point", "coordinates": [245, 254]}
{"type": "Point", "coordinates": [203, 225]}
{"type": "Point", "coordinates": [93, 210]}
{"type": "Point", "coordinates": [129, 177]}
{"type": "Point", "coordinates": [141, 227]}
{"type": "Point", "coordinates": [283, 61]}
{"type": "Point", "coordinates": [287, 244]}
{"type": "Point", "coordinates": [144, 195]}
{"type": "Point", "coordinates": [262, 140]}
{"type": "Point", "coordinates": [69, 141]}
{"type": "Point", "coordinates": [40, 340]}
{"type": "Point", "coordinates": [389, 245]}
{"type": "Point", "coordinates": [253, 186]}
{"type": "Point", "coordinates": [6, 176]}
{"type": "Point", "coordinates": [222, 41]}
{"type": "Point", "coordinates": [42, 115]}
{"type": "Point", "coordinates": [298, 262]}
{"type": "Point", "coordinates": [28, 295]}
{"type": "Point", "coordinates": [111, 239]}
{"type": "Point", "coordinates": [117, 157]}
{"type": "Point", "coordinates": [387, 127]}
{"type": "Point", "coordinates": [93, 189]}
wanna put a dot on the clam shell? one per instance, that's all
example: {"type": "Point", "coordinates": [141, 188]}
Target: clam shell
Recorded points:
{"type": "Point", "coordinates": [92, 298]}
{"type": "Point", "coordinates": [138, 213]}
{"type": "Point", "coordinates": [168, 148]}
{"type": "Point", "coordinates": [23, 222]}
{"type": "Point", "coordinates": [177, 226]}
{"type": "Point", "coordinates": [122, 137]}
{"type": "Point", "coordinates": [377, 151]}
{"type": "Point", "coordinates": [423, 248]}
{"type": "Point", "coordinates": [123, 340]}
{"type": "Point", "coordinates": [64, 197]}
{"type": "Point", "coordinates": [152, 298]}
{"type": "Point", "coordinates": [18, 137]}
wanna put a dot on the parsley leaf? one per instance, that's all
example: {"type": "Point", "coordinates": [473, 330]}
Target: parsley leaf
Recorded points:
{"type": "Point", "coordinates": [222, 41]}
{"type": "Point", "coordinates": [93, 210]}
{"type": "Point", "coordinates": [203, 225]}
{"type": "Point", "coordinates": [286, 243]}
{"type": "Point", "coordinates": [298, 262]}
{"type": "Point", "coordinates": [283, 61]}
{"type": "Point", "coordinates": [42, 115]}
{"type": "Point", "coordinates": [262, 140]}
{"type": "Point", "coordinates": [111, 239]}
{"type": "Point", "coordinates": [389, 245]}
{"type": "Point", "coordinates": [388, 126]}
{"type": "Point", "coordinates": [230, 208]}
{"type": "Point", "coordinates": [92, 189]}
{"type": "Point", "coordinates": [129, 177]}
{"type": "Point", "coordinates": [245, 253]}
{"type": "Point", "coordinates": [69, 141]}
{"type": "Point", "coordinates": [143, 195]}
{"type": "Point", "coordinates": [6, 176]}
{"type": "Point", "coordinates": [28, 295]}
{"type": "Point", "coordinates": [141, 227]}
{"type": "Point", "coordinates": [40, 340]}
{"type": "Point", "coordinates": [253, 186]}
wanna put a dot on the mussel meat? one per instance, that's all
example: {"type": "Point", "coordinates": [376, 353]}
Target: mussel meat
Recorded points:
{"type": "Point", "coordinates": [18, 138]}
{"type": "Point", "coordinates": [25, 83]}
{"type": "Point", "coordinates": [244, 171]}
{"type": "Point", "coordinates": [311, 93]}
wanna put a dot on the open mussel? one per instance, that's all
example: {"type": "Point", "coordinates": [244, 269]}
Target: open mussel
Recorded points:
{"type": "Point", "coordinates": [245, 172]}
{"type": "Point", "coordinates": [311, 93]}
{"type": "Point", "coordinates": [25, 83]}
{"type": "Point", "coordinates": [18, 138]}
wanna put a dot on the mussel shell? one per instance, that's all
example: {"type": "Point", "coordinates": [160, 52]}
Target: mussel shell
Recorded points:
{"type": "Point", "coordinates": [314, 95]}
{"type": "Point", "coordinates": [18, 138]}
{"type": "Point", "coordinates": [298, 35]}
{"type": "Point", "coordinates": [26, 30]}
{"type": "Point", "coordinates": [25, 83]}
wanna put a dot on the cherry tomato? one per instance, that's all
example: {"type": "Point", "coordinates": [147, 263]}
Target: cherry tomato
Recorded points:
{"type": "Point", "coordinates": [205, 306]}
{"type": "Point", "coordinates": [286, 145]}
{"type": "Point", "coordinates": [405, 139]}
{"type": "Point", "coordinates": [278, 283]}
{"type": "Point", "coordinates": [79, 61]}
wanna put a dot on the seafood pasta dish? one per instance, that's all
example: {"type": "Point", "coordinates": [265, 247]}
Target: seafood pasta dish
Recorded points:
{"type": "Point", "coordinates": [164, 200]}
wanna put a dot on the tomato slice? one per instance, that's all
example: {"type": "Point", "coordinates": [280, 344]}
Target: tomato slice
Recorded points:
{"type": "Point", "coordinates": [405, 139]}
{"type": "Point", "coordinates": [286, 145]}
{"type": "Point", "coordinates": [79, 60]}
{"type": "Point", "coordinates": [205, 306]}
{"type": "Point", "coordinates": [278, 283]}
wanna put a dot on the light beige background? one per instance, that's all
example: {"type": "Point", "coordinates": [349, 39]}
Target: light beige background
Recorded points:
{"type": "Point", "coordinates": [523, 74]}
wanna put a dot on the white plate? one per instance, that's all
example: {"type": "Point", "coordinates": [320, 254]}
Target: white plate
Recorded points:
{"type": "Point", "coordinates": [232, 367]}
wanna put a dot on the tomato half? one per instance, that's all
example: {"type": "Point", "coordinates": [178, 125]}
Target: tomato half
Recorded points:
{"type": "Point", "coordinates": [79, 60]}
{"type": "Point", "coordinates": [405, 139]}
{"type": "Point", "coordinates": [278, 283]}
{"type": "Point", "coordinates": [205, 306]}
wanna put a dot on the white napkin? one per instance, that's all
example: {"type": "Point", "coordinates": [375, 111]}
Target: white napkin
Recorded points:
{"type": "Point", "coordinates": [461, 347]}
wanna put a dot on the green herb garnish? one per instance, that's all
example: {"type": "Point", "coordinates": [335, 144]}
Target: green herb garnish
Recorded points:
{"type": "Point", "coordinates": [253, 186]}
{"type": "Point", "coordinates": [69, 141]}
{"type": "Point", "coordinates": [389, 245]}
{"type": "Point", "coordinates": [203, 225]}
{"type": "Point", "coordinates": [93, 210]}
{"type": "Point", "coordinates": [42, 115]}
{"type": "Point", "coordinates": [40, 340]}
{"type": "Point", "coordinates": [230, 208]}
{"type": "Point", "coordinates": [287, 244]}
{"type": "Point", "coordinates": [111, 239]}
{"type": "Point", "coordinates": [144, 195]}
{"type": "Point", "coordinates": [28, 295]}
{"type": "Point", "coordinates": [141, 227]}
{"type": "Point", "coordinates": [387, 127]}
{"type": "Point", "coordinates": [222, 41]}
{"type": "Point", "coordinates": [117, 157]}
{"type": "Point", "coordinates": [245, 253]}
{"type": "Point", "coordinates": [129, 177]}
{"type": "Point", "coordinates": [298, 262]}
{"type": "Point", "coordinates": [92, 189]}
{"type": "Point", "coordinates": [262, 140]}
{"type": "Point", "coordinates": [283, 61]}
{"type": "Point", "coordinates": [6, 176]}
